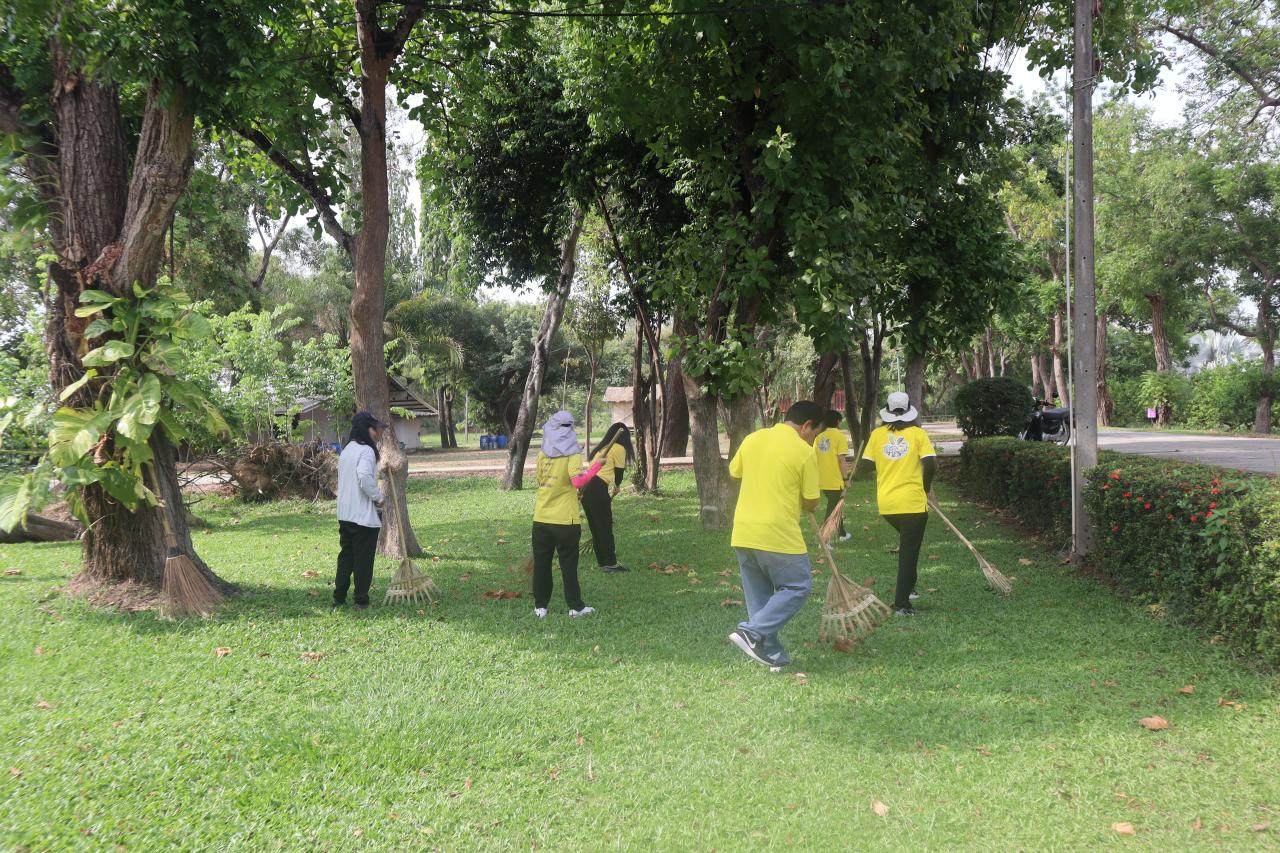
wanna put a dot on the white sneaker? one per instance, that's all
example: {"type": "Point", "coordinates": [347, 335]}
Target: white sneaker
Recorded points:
{"type": "Point", "coordinates": [574, 614]}
{"type": "Point", "coordinates": [540, 612]}
{"type": "Point", "coordinates": [846, 537]}
{"type": "Point", "coordinates": [914, 596]}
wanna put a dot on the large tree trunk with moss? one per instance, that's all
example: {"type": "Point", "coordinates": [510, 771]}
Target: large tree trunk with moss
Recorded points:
{"type": "Point", "coordinates": [108, 221]}
{"type": "Point", "coordinates": [1262, 414]}
{"type": "Point", "coordinates": [526, 419]}
{"type": "Point", "coordinates": [1106, 405]}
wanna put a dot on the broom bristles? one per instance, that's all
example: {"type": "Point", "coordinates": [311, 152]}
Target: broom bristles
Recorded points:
{"type": "Point", "coordinates": [187, 591]}
{"type": "Point", "coordinates": [851, 612]}
{"type": "Point", "coordinates": [410, 583]}
{"type": "Point", "coordinates": [996, 579]}
{"type": "Point", "coordinates": [831, 526]}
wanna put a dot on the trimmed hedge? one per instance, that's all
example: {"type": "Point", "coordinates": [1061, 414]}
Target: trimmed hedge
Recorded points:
{"type": "Point", "coordinates": [999, 405]}
{"type": "Point", "coordinates": [1202, 542]}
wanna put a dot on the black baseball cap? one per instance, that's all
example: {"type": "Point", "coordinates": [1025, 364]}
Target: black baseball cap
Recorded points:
{"type": "Point", "coordinates": [366, 420]}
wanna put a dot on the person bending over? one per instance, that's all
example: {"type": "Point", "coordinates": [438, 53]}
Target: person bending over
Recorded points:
{"type": "Point", "coordinates": [779, 474]}
{"type": "Point", "coordinates": [903, 460]}
{"type": "Point", "coordinates": [597, 502]}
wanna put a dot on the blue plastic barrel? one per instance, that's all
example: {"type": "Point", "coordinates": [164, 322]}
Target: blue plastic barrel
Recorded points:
{"type": "Point", "coordinates": [502, 442]}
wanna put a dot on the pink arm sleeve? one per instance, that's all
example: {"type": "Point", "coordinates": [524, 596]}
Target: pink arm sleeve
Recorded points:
{"type": "Point", "coordinates": [585, 477]}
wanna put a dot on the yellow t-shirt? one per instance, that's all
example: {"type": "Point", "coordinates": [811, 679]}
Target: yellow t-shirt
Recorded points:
{"type": "Point", "coordinates": [899, 478]}
{"type": "Point", "coordinates": [617, 459]}
{"type": "Point", "coordinates": [831, 445]}
{"type": "Point", "coordinates": [777, 469]}
{"type": "Point", "coordinates": [557, 501]}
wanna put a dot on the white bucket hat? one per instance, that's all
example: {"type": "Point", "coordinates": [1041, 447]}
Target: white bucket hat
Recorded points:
{"type": "Point", "coordinates": [899, 409]}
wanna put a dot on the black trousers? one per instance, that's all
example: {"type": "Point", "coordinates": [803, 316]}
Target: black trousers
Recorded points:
{"type": "Point", "coordinates": [355, 556]}
{"type": "Point", "coordinates": [833, 498]}
{"type": "Point", "coordinates": [598, 506]}
{"type": "Point", "coordinates": [910, 527]}
{"type": "Point", "coordinates": [550, 540]}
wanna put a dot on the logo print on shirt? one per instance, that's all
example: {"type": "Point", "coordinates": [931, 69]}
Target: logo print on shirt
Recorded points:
{"type": "Point", "coordinates": [824, 446]}
{"type": "Point", "coordinates": [896, 447]}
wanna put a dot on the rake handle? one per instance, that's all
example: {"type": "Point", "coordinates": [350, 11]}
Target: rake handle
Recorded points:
{"type": "Point", "coordinates": [826, 548]}
{"type": "Point", "coordinates": [934, 506]}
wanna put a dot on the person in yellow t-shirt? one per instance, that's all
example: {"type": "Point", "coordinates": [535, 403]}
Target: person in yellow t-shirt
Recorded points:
{"type": "Point", "coordinates": [597, 503]}
{"type": "Point", "coordinates": [556, 525]}
{"type": "Point", "coordinates": [832, 447]}
{"type": "Point", "coordinates": [904, 462]}
{"type": "Point", "coordinates": [779, 474]}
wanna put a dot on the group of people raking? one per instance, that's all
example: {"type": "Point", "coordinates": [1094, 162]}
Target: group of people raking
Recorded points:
{"type": "Point", "coordinates": [783, 471]}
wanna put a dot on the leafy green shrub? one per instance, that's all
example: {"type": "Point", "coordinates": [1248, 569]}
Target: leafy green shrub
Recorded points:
{"type": "Point", "coordinates": [1201, 541]}
{"type": "Point", "coordinates": [1165, 390]}
{"type": "Point", "coordinates": [1224, 397]}
{"type": "Point", "coordinates": [1130, 404]}
{"type": "Point", "coordinates": [997, 406]}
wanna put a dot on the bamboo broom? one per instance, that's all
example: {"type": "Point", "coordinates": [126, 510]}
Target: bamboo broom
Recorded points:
{"type": "Point", "coordinates": [409, 583]}
{"type": "Point", "coordinates": [187, 592]}
{"type": "Point", "coordinates": [996, 579]}
{"type": "Point", "coordinates": [851, 612]}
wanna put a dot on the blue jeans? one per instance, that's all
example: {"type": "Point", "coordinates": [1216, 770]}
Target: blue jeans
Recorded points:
{"type": "Point", "coordinates": [775, 586]}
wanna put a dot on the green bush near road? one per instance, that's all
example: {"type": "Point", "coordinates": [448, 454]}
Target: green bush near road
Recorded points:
{"type": "Point", "coordinates": [1202, 542]}
{"type": "Point", "coordinates": [997, 406]}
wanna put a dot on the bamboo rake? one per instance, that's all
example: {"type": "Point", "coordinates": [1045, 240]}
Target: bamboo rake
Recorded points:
{"type": "Point", "coordinates": [996, 579]}
{"type": "Point", "coordinates": [409, 583]}
{"type": "Point", "coordinates": [851, 611]}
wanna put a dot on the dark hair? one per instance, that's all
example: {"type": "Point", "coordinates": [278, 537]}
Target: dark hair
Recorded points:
{"type": "Point", "coordinates": [833, 418]}
{"type": "Point", "coordinates": [360, 435]}
{"type": "Point", "coordinates": [806, 411]}
{"type": "Point", "coordinates": [624, 440]}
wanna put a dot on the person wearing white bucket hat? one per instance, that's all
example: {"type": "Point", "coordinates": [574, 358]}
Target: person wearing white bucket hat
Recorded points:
{"type": "Point", "coordinates": [904, 462]}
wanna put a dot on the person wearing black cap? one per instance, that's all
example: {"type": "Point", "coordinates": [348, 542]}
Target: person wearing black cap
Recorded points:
{"type": "Point", "coordinates": [359, 504]}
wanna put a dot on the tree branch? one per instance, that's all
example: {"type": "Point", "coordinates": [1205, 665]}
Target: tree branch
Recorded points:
{"type": "Point", "coordinates": [1226, 323]}
{"type": "Point", "coordinates": [305, 178]}
{"type": "Point", "coordinates": [409, 17]}
{"type": "Point", "coordinates": [1268, 99]}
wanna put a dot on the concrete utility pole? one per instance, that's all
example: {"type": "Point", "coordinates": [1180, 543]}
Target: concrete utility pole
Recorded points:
{"type": "Point", "coordinates": [1084, 397]}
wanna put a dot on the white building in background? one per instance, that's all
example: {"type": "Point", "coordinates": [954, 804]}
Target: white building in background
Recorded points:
{"type": "Point", "coordinates": [320, 425]}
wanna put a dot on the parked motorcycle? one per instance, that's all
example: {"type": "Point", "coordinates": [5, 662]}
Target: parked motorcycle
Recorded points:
{"type": "Point", "coordinates": [1048, 423]}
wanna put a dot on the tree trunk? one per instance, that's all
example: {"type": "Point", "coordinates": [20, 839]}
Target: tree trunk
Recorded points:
{"type": "Point", "coordinates": [675, 405]}
{"type": "Point", "coordinates": [1046, 377]}
{"type": "Point", "coordinates": [1262, 414]}
{"type": "Point", "coordinates": [643, 427]}
{"type": "Point", "coordinates": [526, 420]}
{"type": "Point", "coordinates": [594, 361]}
{"type": "Point", "coordinates": [825, 377]}
{"type": "Point", "coordinates": [449, 419]}
{"type": "Point", "coordinates": [991, 353]}
{"type": "Point", "coordinates": [872, 358]}
{"type": "Point", "coordinates": [915, 379]}
{"type": "Point", "coordinates": [1036, 384]}
{"type": "Point", "coordinates": [108, 230]}
{"type": "Point", "coordinates": [1106, 406]}
{"type": "Point", "coordinates": [1055, 355]}
{"type": "Point", "coordinates": [1160, 333]}
{"type": "Point", "coordinates": [851, 413]}
{"type": "Point", "coordinates": [710, 470]}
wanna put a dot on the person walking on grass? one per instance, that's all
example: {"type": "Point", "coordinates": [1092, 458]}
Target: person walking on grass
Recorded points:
{"type": "Point", "coordinates": [557, 527]}
{"type": "Point", "coordinates": [832, 448]}
{"type": "Point", "coordinates": [597, 500]}
{"type": "Point", "coordinates": [903, 461]}
{"type": "Point", "coordinates": [359, 504]}
{"type": "Point", "coordinates": [779, 474]}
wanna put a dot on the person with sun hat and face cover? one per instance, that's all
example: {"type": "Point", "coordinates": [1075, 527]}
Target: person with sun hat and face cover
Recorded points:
{"type": "Point", "coordinates": [904, 462]}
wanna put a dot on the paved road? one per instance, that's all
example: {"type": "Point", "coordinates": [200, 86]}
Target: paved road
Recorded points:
{"type": "Point", "coordinates": [1259, 455]}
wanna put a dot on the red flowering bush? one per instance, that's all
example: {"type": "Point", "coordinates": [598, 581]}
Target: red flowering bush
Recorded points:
{"type": "Point", "coordinates": [1201, 541]}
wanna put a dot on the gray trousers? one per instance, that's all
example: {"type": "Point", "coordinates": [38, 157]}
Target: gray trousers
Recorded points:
{"type": "Point", "coordinates": [775, 587]}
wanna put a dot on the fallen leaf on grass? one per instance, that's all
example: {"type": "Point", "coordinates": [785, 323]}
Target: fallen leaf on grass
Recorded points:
{"type": "Point", "coordinates": [501, 594]}
{"type": "Point", "coordinates": [932, 589]}
{"type": "Point", "coordinates": [1227, 703]}
{"type": "Point", "coordinates": [311, 656]}
{"type": "Point", "coordinates": [15, 772]}
{"type": "Point", "coordinates": [1124, 828]}
{"type": "Point", "coordinates": [40, 650]}
{"type": "Point", "coordinates": [464, 576]}
{"type": "Point", "coordinates": [726, 573]}
{"type": "Point", "coordinates": [868, 581]}
{"type": "Point", "coordinates": [879, 808]}
{"type": "Point", "coordinates": [222, 651]}
{"type": "Point", "coordinates": [1197, 824]}
{"type": "Point", "coordinates": [581, 740]}
{"type": "Point", "coordinates": [12, 572]}
{"type": "Point", "coordinates": [553, 773]}
{"type": "Point", "coordinates": [311, 573]}
{"type": "Point", "coordinates": [1188, 690]}
{"type": "Point", "coordinates": [1260, 827]}
{"type": "Point", "coordinates": [843, 644]}
{"type": "Point", "coordinates": [731, 602]}
{"type": "Point", "coordinates": [801, 678]}
{"type": "Point", "coordinates": [1023, 561]}
{"type": "Point", "coordinates": [934, 557]}
{"type": "Point", "coordinates": [1154, 723]}
{"type": "Point", "coordinates": [312, 594]}
{"type": "Point", "coordinates": [1110, 683]}
{"type": "Point", "coordinates": [43, 705]}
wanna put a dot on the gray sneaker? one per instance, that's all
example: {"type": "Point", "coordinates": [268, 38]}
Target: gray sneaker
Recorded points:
{"type": "Point", "coordinates": [751, 646]}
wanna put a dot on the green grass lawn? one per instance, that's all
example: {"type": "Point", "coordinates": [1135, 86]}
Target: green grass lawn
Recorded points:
{"type": "Point", "coordinates": [985, 723]}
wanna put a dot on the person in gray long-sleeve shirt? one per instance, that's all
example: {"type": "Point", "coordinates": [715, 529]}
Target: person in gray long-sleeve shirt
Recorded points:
{"type": "Point", "coordinates": [359, 502]}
